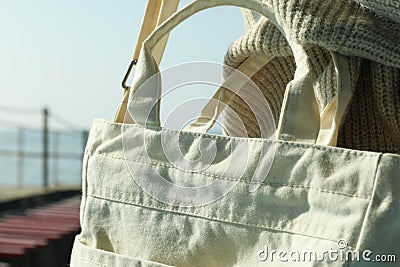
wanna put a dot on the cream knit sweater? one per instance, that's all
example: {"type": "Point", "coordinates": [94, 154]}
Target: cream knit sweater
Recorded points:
{"type": "Point", "coordinates": [367, 31]}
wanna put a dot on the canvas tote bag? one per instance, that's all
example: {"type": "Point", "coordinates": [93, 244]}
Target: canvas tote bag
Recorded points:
{"type": "Point", "coordinates": [315, 200]}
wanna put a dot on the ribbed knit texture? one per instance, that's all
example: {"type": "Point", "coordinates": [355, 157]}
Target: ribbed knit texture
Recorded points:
{"type": "Point", "coordinates": [344, 26]}
{"type": "Point", "coordinates": [372, 121]}
{"type": "Point", "coordinates": [385, 8]}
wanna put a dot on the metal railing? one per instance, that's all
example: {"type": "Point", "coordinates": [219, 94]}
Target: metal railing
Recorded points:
{"type": "Point", "coordinates": [55, 155]}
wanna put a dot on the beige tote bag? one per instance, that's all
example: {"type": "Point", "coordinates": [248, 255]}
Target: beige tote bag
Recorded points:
{"type": "Point", "coordinates": [309, 204]}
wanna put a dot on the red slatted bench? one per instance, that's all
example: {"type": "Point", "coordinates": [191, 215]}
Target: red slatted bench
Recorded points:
{"type": "Point", "coordinates": [12, 251]}
{"type": "Point", "coordinates": [29, 223]}
{"type": "Point", "coordinates": [21, 235]}
{"type": "Point", "coordinates": [22, 240]}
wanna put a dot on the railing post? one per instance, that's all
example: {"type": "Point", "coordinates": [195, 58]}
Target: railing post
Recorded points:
{"type": "Point", "coordinates": [56, 157]}
{"type": "Point", "coordinates": [21, 157]}
{"type": "Point", "coordinates": [45, 148]}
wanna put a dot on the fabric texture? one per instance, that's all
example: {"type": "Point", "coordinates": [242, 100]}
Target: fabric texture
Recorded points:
{"type": "Point", "coordinates": [303, 205]}
{"type": "Point", "coordinates": [386, 8]}
{"type": "Point", "coordinates": [308, 199]}
{"type": "Point", "coordinates": [373, 119]}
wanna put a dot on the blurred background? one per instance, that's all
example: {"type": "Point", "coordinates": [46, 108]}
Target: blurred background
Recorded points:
{"type": "Point", "coordinates": [61, 66]}
{"type": "Point", "coordinates": [62, 63]}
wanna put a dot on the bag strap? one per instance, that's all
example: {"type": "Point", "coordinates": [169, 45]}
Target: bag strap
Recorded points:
{"type": "Point", "coordinates": [299, 120]}
{"type": "Point", "coordinates": [300, 112]}
{"type": "Point", "coordinates": [331, 116]}
{"type": "Point", "coordinates": [157, 11]}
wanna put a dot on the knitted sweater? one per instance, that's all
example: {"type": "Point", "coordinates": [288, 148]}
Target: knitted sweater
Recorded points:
{"type": "Point", "coordinates": [366, 32]}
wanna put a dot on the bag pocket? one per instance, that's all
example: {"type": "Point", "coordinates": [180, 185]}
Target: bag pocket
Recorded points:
{"type": "Point", "coordinates": [84, 256]}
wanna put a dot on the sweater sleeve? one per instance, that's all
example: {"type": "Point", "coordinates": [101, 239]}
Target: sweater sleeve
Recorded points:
{"type": "Point", "coordinates": [385, 8]}
{"type": "Point", "coordinates": [250, 18]}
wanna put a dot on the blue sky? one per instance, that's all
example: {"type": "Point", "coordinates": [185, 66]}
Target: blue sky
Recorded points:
{"type": "Point", "coordinates": [71, 55]}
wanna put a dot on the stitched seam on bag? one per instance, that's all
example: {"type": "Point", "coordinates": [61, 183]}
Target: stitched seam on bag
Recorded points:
{"type": "Point", "coordinates": [367, 212]}
{"type": "Point", "coordinates": [90, 261]}
{"type": "Point", "coordinates": [306, 186]}
{"type": "Point", "coordinates": [112, 254]}
{"type": "Point", "coordinates": [134, 259]}
{"type": "Point", "coordinates": [160, 163]}
{"type": "Point", "coordinates": [338, 150]}
{"type": "Point", "coordinates": [201, 216]}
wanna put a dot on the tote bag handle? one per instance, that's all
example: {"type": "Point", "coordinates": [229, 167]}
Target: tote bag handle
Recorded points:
{"type": "Point", "coordinates": [331, 117]}
{"type": "Point", "coordinates": [157, 11]}
{"type": "Point", "coordinates": [299, 119]}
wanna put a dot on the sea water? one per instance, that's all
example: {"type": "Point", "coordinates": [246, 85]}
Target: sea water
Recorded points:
{"type": "Point", "coordinates": [63, 170]}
